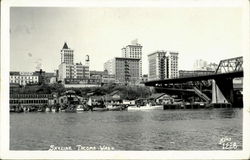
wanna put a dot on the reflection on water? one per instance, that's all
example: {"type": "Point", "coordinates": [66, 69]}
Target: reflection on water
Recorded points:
{"type": "Point", "coordinates": [227, 113]}
{"type": "Point", "coordinates": [137, 130]}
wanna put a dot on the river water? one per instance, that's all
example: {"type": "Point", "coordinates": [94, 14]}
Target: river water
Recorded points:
{"type": "Point", "coordinates": [127, 130]}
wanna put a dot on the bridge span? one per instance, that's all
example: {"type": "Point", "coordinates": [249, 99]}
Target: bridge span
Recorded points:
{"type": "Point", "coordinates": [219, 83]}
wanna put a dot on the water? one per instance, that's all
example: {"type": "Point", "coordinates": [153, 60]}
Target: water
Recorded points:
{"type": "Point", "coordinates": [127, 130]}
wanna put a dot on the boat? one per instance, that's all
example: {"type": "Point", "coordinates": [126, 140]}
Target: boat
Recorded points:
{"type": "Point", "coordinates": [71, 108]}
{"type": "Point", "coordinates": [12, 109]}
{"type": "Point", "coordinates": [54, 110]}
{"type": "Point", "coordinates": [100, 109]}
{"type": "Point", "coordinates": [26, 109]}
{"type": "Point", "coordinates": [47, 109]}
{"type": "Point", "coordinates": [41, 109]}
{"type": "Point", "coordinates": [80, 108]}
{"type": "Point", "coordinates": [147, 107]}
{"type": "Point", "coordinates": [116, 107]}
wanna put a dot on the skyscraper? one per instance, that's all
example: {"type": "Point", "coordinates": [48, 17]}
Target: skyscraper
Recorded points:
{"type": "Point", "coordinates": [70, 71]}
{"type": "Point", "coordinates": [200, 64]}
{"type": "Point", "coordinates": [134, 50]}
{"type": "Point", "coordinates": [126, 70]}
{"type": "Point", "coordinates": [163, 65]}
{"type": "Point", "coordinates": [67, 54]}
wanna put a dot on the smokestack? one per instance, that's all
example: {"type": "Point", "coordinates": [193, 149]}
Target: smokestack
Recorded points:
{"type": "Point", "coordinates": [87, 60]}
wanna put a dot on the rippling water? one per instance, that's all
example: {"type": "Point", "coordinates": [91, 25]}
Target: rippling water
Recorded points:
{"type": "Point", "coordinates": [125, 130]}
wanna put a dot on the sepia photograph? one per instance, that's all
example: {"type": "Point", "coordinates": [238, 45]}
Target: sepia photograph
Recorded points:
{"type": "Point", "coordinates": [125, 77]}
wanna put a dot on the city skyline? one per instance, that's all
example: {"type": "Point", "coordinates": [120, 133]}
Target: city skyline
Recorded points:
{"type": "Point", "coordinates": [38, 34]}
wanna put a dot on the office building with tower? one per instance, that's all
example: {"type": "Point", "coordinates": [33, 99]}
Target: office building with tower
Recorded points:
{"type": "Point", "coordinates": [134, 50]}
{"type": "Point", "coordinates": [126, 70]}
{"type": "Point", "coordinates": [163, 65]}
{"type": "Point", "coordinates": [70, 72]}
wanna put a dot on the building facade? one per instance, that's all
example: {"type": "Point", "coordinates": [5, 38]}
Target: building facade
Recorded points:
{"type": "Point", "coordinates": [110, 66]}
{"type": "Point", "coordinates": [172, 62]}
{"type": "Point", "coordinates": [134, 50]}
{"type": "Point", "coordinates": [68, 71]}
{"type": "Point", "coordinates": [163, 65]}
{"type": "Point", "coordinates": [126, 70]}
{"type": "Point", "coordinates": [23, 78]}
{"type": "Point", "coordinates": [199, 64]}
{"type": "Point", "coordinates": [67, 55]}
{"type": "Point", "coordinates": [31, 100]}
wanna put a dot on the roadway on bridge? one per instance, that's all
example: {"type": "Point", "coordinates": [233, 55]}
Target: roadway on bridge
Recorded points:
{"type": "Point", "coordinates": [196, 78]}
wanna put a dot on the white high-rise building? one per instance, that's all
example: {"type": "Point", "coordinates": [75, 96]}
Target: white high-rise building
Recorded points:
{"type": "Point", "coordinates": [70, 71]}
{"type": "Point", "coordinates": [200, 64]}
{"type": "Point", "coordinates": [134, 50]}
{"type": "Point", "coordinates": [163, 65]}
{"type": "Point", "coordinates": [67, 54]}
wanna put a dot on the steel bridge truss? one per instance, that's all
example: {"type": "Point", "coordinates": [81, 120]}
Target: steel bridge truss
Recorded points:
{"type": "Point", "coordinates": [230, 65]}
{"type": "Point", "coordinates": [201, 84]}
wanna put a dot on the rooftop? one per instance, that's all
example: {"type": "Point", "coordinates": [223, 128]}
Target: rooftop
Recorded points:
{"type": "Point", "coordinates": [126, 58]}
{"type": "Point", "coordinates": [65, 46]}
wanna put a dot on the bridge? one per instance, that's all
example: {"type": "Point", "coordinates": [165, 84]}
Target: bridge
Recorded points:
{"type": "Point", "coordinates": [216, 87]}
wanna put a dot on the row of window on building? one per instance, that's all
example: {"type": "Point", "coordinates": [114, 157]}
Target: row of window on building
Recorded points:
{"type": "Point", "coordinates": [28, 101]}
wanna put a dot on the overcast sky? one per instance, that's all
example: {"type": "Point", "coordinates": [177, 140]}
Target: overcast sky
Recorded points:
{"type": "Point", "coordinates": [38, 34]}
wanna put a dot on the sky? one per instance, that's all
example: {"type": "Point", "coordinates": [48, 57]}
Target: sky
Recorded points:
{"type": "Point", "coordinates": [37, 34]}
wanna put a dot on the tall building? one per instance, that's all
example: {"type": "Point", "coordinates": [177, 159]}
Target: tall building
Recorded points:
{"type": "Point", "coordinates": [110, 66]}
{"type": "Point", "coordinates": [134, 50]}
{"type": "Point", "coordinates": [200, 64]}
{"type": "Point", "coordinates": [70, 72]}
{"type": "Point", "coordinates": [126, 70]}
{"type": "Point", "coordinates": [163, 65]}
{"type": "Point", "coordinates": [173, 71]}
{"type": "Point", "coordinates": [67, 54]}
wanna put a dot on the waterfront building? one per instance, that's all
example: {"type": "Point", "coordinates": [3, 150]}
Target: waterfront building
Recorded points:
{"type": "Point", "coordinates": [134, 50]}
{"type": "Point", "coordinates": [161, 98]}
{"type": "Point", "coordinates": [31, 100]}
{"type": "Point", "coordinates": [126, 70]}
{"type": "Point", "coordinates": [69, 97]}
{"type": "Point", "coordinates": [163, 65]}
{"type": "Point", "coordinates": [23, 78]}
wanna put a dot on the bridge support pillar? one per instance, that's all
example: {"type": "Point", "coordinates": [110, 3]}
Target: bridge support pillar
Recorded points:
{"type": "Point", "coordinates": [226, 88]}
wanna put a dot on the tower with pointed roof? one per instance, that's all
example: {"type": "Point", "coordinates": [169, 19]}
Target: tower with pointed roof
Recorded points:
{"type": "Point", "coordinates": [67, 54]}
{"type": "Point", "coordinates": [71, 72]}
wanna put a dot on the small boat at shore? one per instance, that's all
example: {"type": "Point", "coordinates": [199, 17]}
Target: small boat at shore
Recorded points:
{"type": "Point", "coordinates": [80, 108]}
{"type": "Point", "coordinates": [116, 107]}
{"type": "Point", "coordinates": [48, 109]}
{"type": "Point", "coordinates": [100, 109]}
{"type": "Point", "coordinates": [148, 107]}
